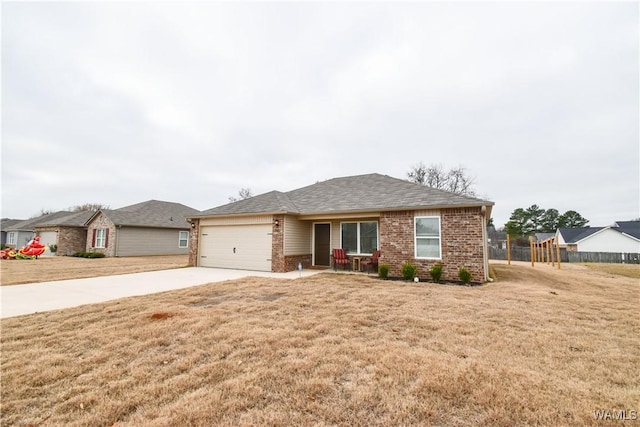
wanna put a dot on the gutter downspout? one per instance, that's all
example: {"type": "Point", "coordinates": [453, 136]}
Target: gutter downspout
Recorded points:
{"type": "Point", "coordinates": [485, 245]}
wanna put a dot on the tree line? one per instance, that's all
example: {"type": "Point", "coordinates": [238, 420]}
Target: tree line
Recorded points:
{"type": "Point", "coordinates": [534, 219]}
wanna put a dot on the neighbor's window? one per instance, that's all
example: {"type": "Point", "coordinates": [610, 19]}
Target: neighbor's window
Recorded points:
{"type": "Point", "coordinates": [359, 237]}
{"type": "Point", "coordinates": [101, 238]}
{"type": "Point", "coordinates": [12, 237]}
{"type": "Point", "coordinates": [427, 232]}
{"type": "Point", "coordinates": [183, 239]}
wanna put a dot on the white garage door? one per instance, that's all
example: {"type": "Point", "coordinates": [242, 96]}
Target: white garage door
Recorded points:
{"type": "Point", "coordinates": [244, 247]}
{"type": "Point", "coordinates": [48, 238]}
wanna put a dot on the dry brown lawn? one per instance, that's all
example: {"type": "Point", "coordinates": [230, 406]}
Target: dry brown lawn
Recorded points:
{"type": "Point", "coordinates": [43, 269]}
{"type": "Point", "coordinates": [537, 347]}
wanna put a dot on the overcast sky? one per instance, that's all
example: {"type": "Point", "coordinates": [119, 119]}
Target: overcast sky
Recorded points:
{"type": "Point", "coordinates": [121, 102]}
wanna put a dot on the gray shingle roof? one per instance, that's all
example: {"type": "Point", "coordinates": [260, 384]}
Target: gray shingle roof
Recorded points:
{"type": "Point", "coordinates": [632, 228]}
{"type": "Point", "coordinates": [153, 213]}
{"type": "Point", "coordinates": [30, 224]}
{"type": "Point", "coordinates": [5, 223]}
{"type": "Point", "coordinates": [574, 235]}
{"type": "Point", "coordinates": [76, 219]}
{"type": "Point", "coordinates": [372, 192]}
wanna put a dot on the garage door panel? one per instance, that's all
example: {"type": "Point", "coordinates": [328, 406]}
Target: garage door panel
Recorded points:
{"type": "Point", "coordinates": [48, 238]}
{"type": "Point", "coordinates": [246, 247]}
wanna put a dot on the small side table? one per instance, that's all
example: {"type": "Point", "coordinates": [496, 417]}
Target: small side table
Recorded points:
{"type": "Point", "coordinates": [356, 263]}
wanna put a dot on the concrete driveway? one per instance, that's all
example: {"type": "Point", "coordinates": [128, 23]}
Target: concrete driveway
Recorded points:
{"type": "Point", "coordinates": [16, 300]}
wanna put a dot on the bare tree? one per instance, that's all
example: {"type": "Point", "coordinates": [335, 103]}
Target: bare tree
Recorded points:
{"type": "Point", "coordinates": [455, 180]}
{"type": "Point", "coordinates": [244, 193]}
{"type": "Point", "coordinates": [88, 207]}
{"type": "Point", "coordinates": [42, 212]}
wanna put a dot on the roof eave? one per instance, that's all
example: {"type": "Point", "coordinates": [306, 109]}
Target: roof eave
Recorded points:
{"type": "Point", "coordinates": [487, 205]}
{"type": "Point", "coordinates": [243, 214]}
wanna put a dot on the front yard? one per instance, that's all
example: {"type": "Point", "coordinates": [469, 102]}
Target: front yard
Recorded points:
{"type": "Point", "coordinates": [537, 347]}
{"type": "Point", "coordinates": [45, 269]}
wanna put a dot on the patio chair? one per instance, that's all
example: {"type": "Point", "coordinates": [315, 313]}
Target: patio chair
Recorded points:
{"type": "Point", "coordinates": [340, 257]}
{"type": "Point", "coordinates": [372, 262]}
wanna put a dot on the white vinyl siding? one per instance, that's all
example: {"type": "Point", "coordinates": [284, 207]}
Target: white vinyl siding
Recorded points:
{"type": "Point", "coordinates": [297, 236]}
{"type": "Point", "coordinates": [428, 237]}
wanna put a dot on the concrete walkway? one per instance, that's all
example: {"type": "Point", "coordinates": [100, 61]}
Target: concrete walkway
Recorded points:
{"type": "Point", "coordinates": [16, 300]}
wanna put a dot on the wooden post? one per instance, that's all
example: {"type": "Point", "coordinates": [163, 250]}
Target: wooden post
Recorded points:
{"type": "Point", "coordinates": [558, 251]}
{"type": "Point", "coordinates": [546, 244]}
{"type": "Point", "coordinates": [553, 259]}
{"type": "Point", "coordinates": [533, 252]}
{"type": "Point", "coordinates": [508, 249]}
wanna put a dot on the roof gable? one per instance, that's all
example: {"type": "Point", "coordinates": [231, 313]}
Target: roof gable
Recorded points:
{"type": "Point", "coordinates": [75, 219]}
{"type": "Point", "coordinates": [372, 192]}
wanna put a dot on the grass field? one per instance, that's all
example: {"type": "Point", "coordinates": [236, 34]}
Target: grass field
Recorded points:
{"type": "Point", "coordinates": [537, 347]}
{"type": "Point", "coordinates": [45, 269]}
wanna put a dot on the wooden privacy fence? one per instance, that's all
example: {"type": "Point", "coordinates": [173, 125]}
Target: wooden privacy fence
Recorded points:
{"type": "Point", "coordinates": [519, 253]}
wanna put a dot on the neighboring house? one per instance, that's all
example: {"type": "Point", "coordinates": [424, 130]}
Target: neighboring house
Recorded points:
{"type": "Point", "coordinates": [6, 223]}
{"type": "Point", "coordinates": [496, 239]}
{"type": "Point", "coordinates": [68, 233]}
{"type": "Point", "coordinates": [405, 221]}
{"type": "Point", "coordinates": [541, 237]}
{"type": "Point", "coordinates": [149, 228]}
{"type": "Point", "coordinates": [19, 234]}
{"type": "Point", "coordinates": [623, 237]}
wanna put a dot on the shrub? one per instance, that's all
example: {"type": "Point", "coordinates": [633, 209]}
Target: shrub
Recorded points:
{"type": "Point", "coordinates": [383, 271]}
{"type": "Point", "coordinates": [436, 272]}
{"type": "Point", "coordinates": [409, 271]}
{"type": "Point", "coordinates": [88, 255]}
{"type": "Point", "coordinates": [53, 248]}
{"type": "Point", "coordinates": [464, 275]}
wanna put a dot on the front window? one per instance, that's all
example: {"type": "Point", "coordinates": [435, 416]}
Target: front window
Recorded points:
{"type": "Point", "coordinates": [183, 239]}
{"type": "Point", "coordinates": [101, 238]}
{"type": "Point", "coordinates": [12, 237]}
{"type": "Point", "coordinates": [359, 237]}
{"type": "Point", "coordinates": [427, 235]}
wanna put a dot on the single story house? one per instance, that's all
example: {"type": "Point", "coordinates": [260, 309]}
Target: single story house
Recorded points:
{"type": "Point", "coordinates": [149, 228]}
{"type": "Point", "coordinates": [4, 224]}
{"type": "Point", "coordinates": [496, 239]}
{"type": "Point", "coordinates": [20, 233]}
{"type": "Point", "coordinates": [276, 231]}
{"type": "Point", "coordinates": [622, 237]}
{"type": "Point", "coordinates": [68, 233]}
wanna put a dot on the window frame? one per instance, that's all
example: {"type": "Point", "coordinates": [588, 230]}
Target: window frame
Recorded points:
{"type": "Point", "coordinates": [358, 237]}
{"type": "Point", "coordinates": [101, 241]}
{"type": "Point", "coordinates": [416, 237]}
{"type": "Point", "coordinates": [12, 237]}
{"type": "Point", "coordinates": [180, 239]}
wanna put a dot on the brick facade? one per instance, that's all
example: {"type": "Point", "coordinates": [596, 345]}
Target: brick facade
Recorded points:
{"type": "Point", "coordinates": [70, 239]}
{"type": "Point", "coordinates": [461, 242]}
{"type": "Point", "coordinates": [102, 221]}
{"type": "Point", "coordinates": [277, 244]}
{"type": "Point", "coordinates": [193, 242]}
